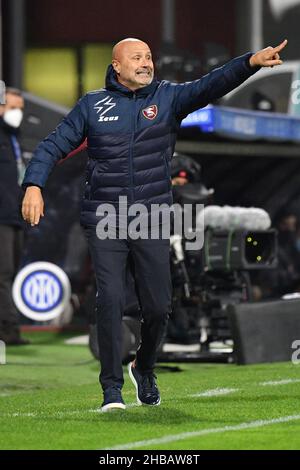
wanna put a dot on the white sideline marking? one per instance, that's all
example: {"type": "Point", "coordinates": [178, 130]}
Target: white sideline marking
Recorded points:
{"type": "Point", "coordinates": [132, 405]}
{"type": "Point", "coordinates": [203, 432]}
{"type": "Point", "coordinates": [54, 414]}
{"type": "Point", "coordinates": [36, 414]}
{"type": "Point", "coordinates": [226, 391]}
{"type": "Point", "coordinates": [17, 415]}
{"type": "Point", "coordinates": [215, 392]}
{"type": "Point", "coordinates": [280, 382]}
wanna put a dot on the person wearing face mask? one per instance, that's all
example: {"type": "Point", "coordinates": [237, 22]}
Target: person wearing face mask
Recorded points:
{"type": "Point", "coordinates": [11, 223]}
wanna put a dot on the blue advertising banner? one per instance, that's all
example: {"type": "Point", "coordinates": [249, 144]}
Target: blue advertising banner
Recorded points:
{"type": "Point", "coordinates": [245, 124]}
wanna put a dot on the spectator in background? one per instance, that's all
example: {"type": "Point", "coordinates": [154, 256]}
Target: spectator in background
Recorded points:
{"type": "Point", "coordinates": [288, 255]}
{"type": "Point", "coordinates": [297, 241]}
{"type": "Point", "coordinates": [181, 179]}
{"type": "Point", "coordinates": [286, 277]}
{"type": "Point", "coordinates": [11, 233]}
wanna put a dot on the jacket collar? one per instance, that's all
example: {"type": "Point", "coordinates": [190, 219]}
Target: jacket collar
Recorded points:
{"type": "Point", "coordinates": [112, 84]}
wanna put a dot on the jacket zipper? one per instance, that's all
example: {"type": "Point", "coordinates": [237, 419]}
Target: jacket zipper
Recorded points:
{"type": "Point", "coordinates": [131, 149]}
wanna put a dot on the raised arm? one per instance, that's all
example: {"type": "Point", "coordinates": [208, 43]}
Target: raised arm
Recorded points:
{"type": "Point", "coordinates": [198, 93]}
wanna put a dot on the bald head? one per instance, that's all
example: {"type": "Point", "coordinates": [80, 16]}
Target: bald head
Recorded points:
{"type": "Point", "coordinates": [132, 62]}
{"type": "Point", "coordinates": [126, 45]}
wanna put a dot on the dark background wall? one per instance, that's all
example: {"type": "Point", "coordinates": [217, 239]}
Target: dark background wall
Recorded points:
{"type": "Point", "coordinates": [197, 23]}
{"type": "Point", "coordinates": [59, 22]}
{"type": "Point", "coordinates": [287, 26]}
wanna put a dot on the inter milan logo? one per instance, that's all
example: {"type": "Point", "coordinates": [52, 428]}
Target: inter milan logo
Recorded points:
{"type": "Point", "coordinates": [150, 112]}
{"type": "Point", "coordinates": [41, 291]}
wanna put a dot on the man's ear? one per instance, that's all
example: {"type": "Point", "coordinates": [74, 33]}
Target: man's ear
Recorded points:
{"type": "Point", "coordinates": [116, 65]}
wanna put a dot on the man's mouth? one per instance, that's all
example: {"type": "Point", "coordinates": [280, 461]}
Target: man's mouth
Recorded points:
{"type": "Point", "coordinates": [144, 72]}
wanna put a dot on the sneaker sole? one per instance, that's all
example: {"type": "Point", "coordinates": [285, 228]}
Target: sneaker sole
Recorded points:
{"type": "Point", "coordinates": [136, 388]}
{"type": "Point", "coordinates": [113, 406]}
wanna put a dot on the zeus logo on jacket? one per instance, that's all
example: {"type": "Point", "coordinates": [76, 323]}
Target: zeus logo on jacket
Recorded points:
{"type": "Point", "coordinates": [103, 106]}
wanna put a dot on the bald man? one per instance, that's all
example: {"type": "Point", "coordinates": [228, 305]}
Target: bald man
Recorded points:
{"type": "Point", "coordinates": [130, 126]}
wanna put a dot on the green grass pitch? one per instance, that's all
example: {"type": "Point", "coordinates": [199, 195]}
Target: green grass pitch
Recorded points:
{"type": "Point", "coordinates": [50, 399]}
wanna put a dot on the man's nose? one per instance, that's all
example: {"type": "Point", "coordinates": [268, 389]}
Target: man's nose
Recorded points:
{"type": "Point", "coordinates": [145, 62]}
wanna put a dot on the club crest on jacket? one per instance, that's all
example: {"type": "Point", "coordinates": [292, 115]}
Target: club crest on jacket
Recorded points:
{"type": "Point", "coordinates": [150, 112]}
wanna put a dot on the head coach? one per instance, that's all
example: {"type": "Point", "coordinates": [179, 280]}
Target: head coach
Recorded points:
{"type": "Point", "coordinates": [130, 127]}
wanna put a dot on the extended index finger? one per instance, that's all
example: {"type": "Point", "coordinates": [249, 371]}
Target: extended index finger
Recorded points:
{"type": "Point", "coordinates": [281, 46]}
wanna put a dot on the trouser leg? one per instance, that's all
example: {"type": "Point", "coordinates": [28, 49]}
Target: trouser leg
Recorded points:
{"type": "Point", "coordinates": [154, 286]}
{"type": "Point", "coordinates": [109, 258]}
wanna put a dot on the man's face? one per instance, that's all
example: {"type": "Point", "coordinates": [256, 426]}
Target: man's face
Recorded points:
{"type": "Point", "coordinates": [288, 224]}
{"type": "Point", "coordinates": [133, 64]}
{"type": "Point", "coordinates": [12, 102]}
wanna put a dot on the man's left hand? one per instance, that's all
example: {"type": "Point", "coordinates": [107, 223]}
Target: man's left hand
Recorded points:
{"type": "Point", "coordinates": [268, 57]}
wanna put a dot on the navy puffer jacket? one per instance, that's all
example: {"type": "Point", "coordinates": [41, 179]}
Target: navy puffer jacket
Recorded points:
{"type": "Point", "coordinates": [130, 136]}
{"type": "Point", "coordinates": [10, 191]}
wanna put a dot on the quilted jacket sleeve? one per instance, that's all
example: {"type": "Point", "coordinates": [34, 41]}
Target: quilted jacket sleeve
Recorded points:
{"type": "Point", "coordinates": [198, 93]}
{"type": "Point", "coordinates": [67, 136]}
